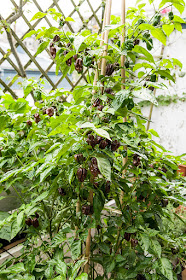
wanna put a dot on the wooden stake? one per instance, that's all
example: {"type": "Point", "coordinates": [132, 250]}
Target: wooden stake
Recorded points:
{"type": "Point", "coordinates": [152, 105]}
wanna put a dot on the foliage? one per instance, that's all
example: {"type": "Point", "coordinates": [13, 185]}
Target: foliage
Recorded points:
{"type": "Point", "coordinates": [72, 144]}
{"type": "Point", "coordinates": [165, 100]}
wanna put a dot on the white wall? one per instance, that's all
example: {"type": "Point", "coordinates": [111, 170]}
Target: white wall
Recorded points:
{"type": "Point", "coordinates": [170, 121]}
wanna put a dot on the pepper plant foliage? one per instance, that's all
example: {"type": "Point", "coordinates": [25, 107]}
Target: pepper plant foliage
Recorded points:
{"type": "Point", "coordinates": [73, 143]}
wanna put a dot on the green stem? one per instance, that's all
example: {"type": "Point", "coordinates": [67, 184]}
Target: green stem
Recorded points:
{"type": "Point", "coordinates": [21, 198]}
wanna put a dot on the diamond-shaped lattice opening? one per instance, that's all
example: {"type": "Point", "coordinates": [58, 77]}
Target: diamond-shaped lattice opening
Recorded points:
{"type": "Point", "coordinates": [85, 10]}
{"type": "Point", "coordinates": [67, 9]}
{"type": "Point", "coordinates": [78, 22]}
{"type": "Point", "coordinates": [42, 65]}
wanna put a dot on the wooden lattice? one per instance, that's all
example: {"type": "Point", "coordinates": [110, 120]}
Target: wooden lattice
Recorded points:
{"type": "Point", "coordinates": [17, 41]}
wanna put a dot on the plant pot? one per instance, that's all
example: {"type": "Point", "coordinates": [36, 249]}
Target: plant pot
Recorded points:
{"type": "Point", "coordinates": [182, 169]}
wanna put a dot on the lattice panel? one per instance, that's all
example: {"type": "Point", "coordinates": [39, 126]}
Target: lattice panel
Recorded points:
{"type": "Point", "coordinates": [86, 13]}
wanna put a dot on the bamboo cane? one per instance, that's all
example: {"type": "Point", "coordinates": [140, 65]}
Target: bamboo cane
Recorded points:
{"type": "Point", "coordinates": [104, 40]}
{"type": "Point", "coordinates": [152, 105]}
{"type": "Point", "coordinates": [107, 22]}
{"type": "Point", "coordinates": [88, 240]}
{"type": "Point", "coordinates": [101, 45]}
{"type": "Point", "coordinates": [123, 17]}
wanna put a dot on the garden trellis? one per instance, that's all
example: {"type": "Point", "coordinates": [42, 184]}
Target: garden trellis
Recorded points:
{"type": "Point", "coordinates": [16, 41]}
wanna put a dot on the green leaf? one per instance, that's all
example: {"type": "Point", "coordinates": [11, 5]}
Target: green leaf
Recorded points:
{"type": "Point", "coordinates": [42, 47]}
{"type": "Point", "coordinates": [3, 215]}
{"type": "Point", "coordinates": [177, 62]}
{"type": "Point", "coordinates": [38, 16]}
{"type": "Point", "coordinates": [165, 267]}
{"type": "Point", "coordinates": [120, 97]}
{"type": "Point", "coordinates": [159, 34]}
{"type": "Point", "coordinates": [104, 248]}
{"type": "Point", "coordinates": [178, 26]}
{"type": "Point", "coordinates": [61, 268]}
{"type": "Point", "coordinates": [79, 39]}
{"type": "Point", "coordinates": [102, 132]}
{"type": "Point", "coordinates": [68, 55]}
{"type": "Point", "coordinates": [98, 204]}
{"type": "Point", "coordinates": [99, 131]}
{"type": "Point", "coordinates": [178, 4]}
{"type": "Point", "coordinates": [104, 166]}
{"type": "Point", "coordinates": [29, 34]}
{"type": "Point", "coordinates": [148, 55]}
{"type": "Point", "coordinates": [153, 132]}
{"type": "Point", "coordinates": [76, 269]}
{"type": "Point", "coordinates": [41, 197]}
{"type": "Point", "coordinates": [53, 147]}
{"type": "Point", "coordinates": [140, 65]}
{"type": "Point", "coordinates": [156, 247]}
{"type": "Point", "coordinates": [145, 94]}
{"type": "Point", "coordinates": [145, 241]}
{"type": "Point", "coordinates": [69, 19]}
{"type": "Point", "coordinates": [9, 174]}
{"type": "Point", "coordinates": [3, 122]}
{"type": "Point", "coordinates": [49, 272]}
{"type": "Point", "coordinates": [168, 29]}
{"type": "Point", "coordinates": [75, 249]}
{"type": "Point", "coordinates": [17, 268]}
{"type": "Point", "coordinates": [83, 276]}
{"type": "Point", "coordinates": [45, 173]}
{"type": "Point", "coordinates": [178, 19]}
{"type": "Point", "coordinates": [110, 266]}
{"type": "Point", "coordinates": [166, 74]}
